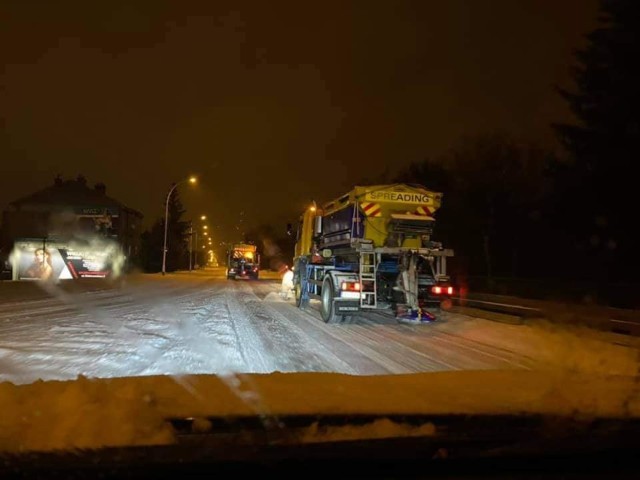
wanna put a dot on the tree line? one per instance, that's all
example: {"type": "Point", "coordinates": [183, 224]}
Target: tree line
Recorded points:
{"type": "Point", "coordinates": [512, 208]}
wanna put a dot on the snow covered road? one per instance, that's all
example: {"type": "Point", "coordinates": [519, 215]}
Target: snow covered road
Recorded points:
{"type": "Point", "coordinates": [201, 323]}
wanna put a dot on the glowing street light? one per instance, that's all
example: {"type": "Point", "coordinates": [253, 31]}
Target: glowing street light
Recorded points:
{"type": "Point", "coordinates": [192, 180]}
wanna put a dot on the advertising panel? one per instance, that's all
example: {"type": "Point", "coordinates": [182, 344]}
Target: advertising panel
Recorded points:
{"type": "Point", "coordinates": [37, 259]}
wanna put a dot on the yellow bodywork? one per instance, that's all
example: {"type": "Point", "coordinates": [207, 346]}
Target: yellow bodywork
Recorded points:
{"type": "Point", "coordinates": [305, 232]}
{"type": "Point", "coordinates": [378, 206]}
{"type": "Point", "coordinates": [247, 251]}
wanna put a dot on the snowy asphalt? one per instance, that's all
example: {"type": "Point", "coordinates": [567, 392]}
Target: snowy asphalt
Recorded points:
{"type": "Point", "coordinates": [191, 323]}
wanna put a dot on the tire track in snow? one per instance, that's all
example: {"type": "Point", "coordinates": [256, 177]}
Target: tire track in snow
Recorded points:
{"type": "Point", "coordinates": [321, 356]}
{"type": "Point", "coordinates": [440, 350]}
{"type": "Point", "coordinates": [251, 344]}
{"type": "Point", "coordinates": [362, 358]}
{"type": "Point", "coordinates": [286, 348]}
{"type": "Point", "coordinates": [360, 361]}
{"type": "Point", "coordinates": [401, 348]}
{"type": "Point", "coordinates": [370, 345]}
{"type": "Point", "coordinates": [367, 355]}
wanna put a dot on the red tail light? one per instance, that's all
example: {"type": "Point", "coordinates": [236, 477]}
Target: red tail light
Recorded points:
{"type": "Point", "coordinates": [442, 290]}
{"type": "Point", "coordinates": [350, 286]}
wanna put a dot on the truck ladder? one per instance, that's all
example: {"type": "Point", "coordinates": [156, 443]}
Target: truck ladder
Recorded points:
{"type": "Point", "coordinates": [368, 272]}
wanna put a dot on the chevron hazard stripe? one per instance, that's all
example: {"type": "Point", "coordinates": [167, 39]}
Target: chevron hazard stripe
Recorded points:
{"type": "Point", "coordinates": [371, 209]}
{"type": "Point", "coordinates": [425, 211]}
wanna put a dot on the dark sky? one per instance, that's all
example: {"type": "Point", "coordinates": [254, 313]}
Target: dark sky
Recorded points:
{"type": "Point", "coordinates": [272, 103]}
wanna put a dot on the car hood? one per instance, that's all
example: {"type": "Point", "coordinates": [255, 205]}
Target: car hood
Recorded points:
{"type": "Point", "coordinates": [96, 413]}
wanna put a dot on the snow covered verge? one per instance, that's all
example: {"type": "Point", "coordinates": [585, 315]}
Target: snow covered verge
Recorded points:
{"type": "Point", "coordinates": [86, 413]}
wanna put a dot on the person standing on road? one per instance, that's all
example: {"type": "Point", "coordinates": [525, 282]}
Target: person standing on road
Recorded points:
{"type": "Point", "coordinates": [287, 283]}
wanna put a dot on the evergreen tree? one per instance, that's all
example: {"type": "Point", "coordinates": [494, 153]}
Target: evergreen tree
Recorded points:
{"type": "Point", "coordinates": [151, 247]}
{"type": "Point", "coordinates": [177, 235]}
{"type": "Point", "coordinates": [595, 191]}
{"type": "Point", "coordinates": [493, 190]}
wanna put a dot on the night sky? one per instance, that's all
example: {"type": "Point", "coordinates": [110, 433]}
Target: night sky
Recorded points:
{"type": "Point", "coordinates": [271, 103]}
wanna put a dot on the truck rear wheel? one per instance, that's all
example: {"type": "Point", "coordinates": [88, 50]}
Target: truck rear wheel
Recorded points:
{"type": "Point", "coordinates": [327, 307]}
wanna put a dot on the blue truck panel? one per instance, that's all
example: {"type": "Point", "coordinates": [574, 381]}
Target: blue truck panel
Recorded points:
{"type": "Point", "coordinates": [338, 228]}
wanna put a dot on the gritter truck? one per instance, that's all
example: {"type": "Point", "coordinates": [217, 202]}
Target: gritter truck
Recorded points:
{"type": "Point", "coordinates": [243, 261]}
{"type": "Point", "coordinates": [371, 250]}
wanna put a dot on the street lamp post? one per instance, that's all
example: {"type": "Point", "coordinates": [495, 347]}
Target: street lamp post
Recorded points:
{"type": "Point", "coordinates": [166, 221]}
{"type": "Point", "coordinates": [190, 243]}
{"type": "Point", "coordinates": [195, 249]}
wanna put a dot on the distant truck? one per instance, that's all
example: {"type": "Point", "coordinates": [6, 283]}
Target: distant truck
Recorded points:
{"type": "Point", "coordinates": [243, 261]}
{"type": "Point", "coordinates": [371, 249]}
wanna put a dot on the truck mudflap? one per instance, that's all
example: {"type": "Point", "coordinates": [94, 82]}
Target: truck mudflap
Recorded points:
{"type": "Point", "coordinates": [414, 315]}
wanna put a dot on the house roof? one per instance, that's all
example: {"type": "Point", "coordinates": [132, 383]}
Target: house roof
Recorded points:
{"type": "Point", "coordinates": [71, 192]}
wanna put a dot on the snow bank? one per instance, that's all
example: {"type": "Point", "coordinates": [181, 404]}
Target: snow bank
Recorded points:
{"type": "Point", "coordinates": [83, 413]}
{"type": "Point", "coordinates": [553, 347]}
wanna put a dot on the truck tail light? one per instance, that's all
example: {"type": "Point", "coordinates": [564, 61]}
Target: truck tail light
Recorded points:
{"type": "Point", "coordinates": [442, 290]}
{"type": "Point", "coordinates": [350, 286]}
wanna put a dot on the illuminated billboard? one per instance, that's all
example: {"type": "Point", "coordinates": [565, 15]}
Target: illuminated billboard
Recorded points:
{"type": "Point", "coordinates": [34, 259]}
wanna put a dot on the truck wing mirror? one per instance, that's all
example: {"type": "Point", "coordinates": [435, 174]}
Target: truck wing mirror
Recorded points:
{"type": "Point", "coordinates": [289, 229]}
